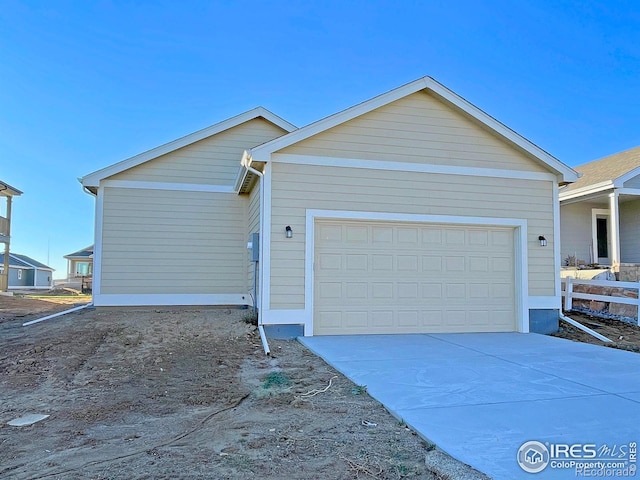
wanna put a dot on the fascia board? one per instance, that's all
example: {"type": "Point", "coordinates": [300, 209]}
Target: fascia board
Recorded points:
{"type": "Point", "coordinates": [619, 182]}
{"type": "Point", "coordinates": [584, 191]}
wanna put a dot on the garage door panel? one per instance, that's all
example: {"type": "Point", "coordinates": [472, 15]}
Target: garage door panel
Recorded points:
{"type": "Point", "coordinates": [408, 263]}
{"type": "Point", "coordinates": [385, 277]}
{"type": "Point", "coordinates": [478, 264]}
{"type": "Point", "coordinates": [409, 318]}
{"type": "Point", "coordinates": [330, 233]}
{"type": "Point", "coordinates": [454, 237]}
{"type": "Point", "coordinates": [479, 291]}
{"type": "Point", "coordinates": [432, 236]}
{"type": "Point", "coordinates": [408, 291]}
{"type": "Point", "coordinates": [357, 263]}
{"type": "Point", "coordinates": [382, 290]}
{"type": "Point", "coordinates": [479, 318]}
{"type": "Point", "coordinates": [432, 263]}
{"type": "Point", "coordinates": [382, 263]}
{"type": "Point", "coordinates": [357, 235]}
{"type": "Point", "coordinates": [382, 319]}
{"type": "Point", "coordinates": [478, 238]}
{"type": "Point", "coordinates": [454, 264]}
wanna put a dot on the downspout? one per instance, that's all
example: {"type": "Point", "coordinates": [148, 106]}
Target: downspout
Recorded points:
{"type": "Point", "coordinates": [246, 163]}
{"type": "Point", "coordinates": [578, 325]}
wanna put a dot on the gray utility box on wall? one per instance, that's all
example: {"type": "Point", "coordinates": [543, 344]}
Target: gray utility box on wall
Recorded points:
{"type": "Point", "coordinates": [254, 246]}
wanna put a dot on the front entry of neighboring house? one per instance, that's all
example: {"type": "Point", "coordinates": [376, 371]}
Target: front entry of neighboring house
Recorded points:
{"type": "Point", "coordinates": [388, 277]}
{"type": "Point", "coordinates": [601, 241]}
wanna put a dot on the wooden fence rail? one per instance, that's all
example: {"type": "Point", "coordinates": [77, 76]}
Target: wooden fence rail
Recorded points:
{"type": "Point", "coordinates": [569, 294]}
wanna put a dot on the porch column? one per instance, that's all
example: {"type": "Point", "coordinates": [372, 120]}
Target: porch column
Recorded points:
{"type": "Point", "coordinates": [4, 279]}
{"type": "Point", "coordinates": [615, 230]}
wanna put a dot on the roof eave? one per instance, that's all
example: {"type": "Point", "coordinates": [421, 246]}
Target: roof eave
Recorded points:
{"type": "Point", "coordinates": [8, 190]}
{"type": "Point", "coordinates": [93, 179]}
{"type": "Point", "coordinates": [587, 190]}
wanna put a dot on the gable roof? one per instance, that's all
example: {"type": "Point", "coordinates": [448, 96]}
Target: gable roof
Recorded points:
{"type": "Point", "coordinates": [8, 191]}
{"type": "Point", "coordinates": [607, 172]}
{"type": "Point", "coordinates": [262, 152]}
{"type": "Point", "coordinates": [86, 252]}
{"type": "Point", "coordinates": [22, 261]}
{"type": "Point", "coordinates": [93, 179]}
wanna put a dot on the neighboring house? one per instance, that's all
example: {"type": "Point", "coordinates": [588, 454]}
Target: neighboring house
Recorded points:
{"type": "Point", "coordinates": [79, 264]}
{"type": "Point", "coordinates": [600, 212]}
{"type": "Point", "coordinates": [412, 212]}
{"type": "Point", "coordinates": [7, 192]}
{"type": "Point", "coordinates": [27, 273]}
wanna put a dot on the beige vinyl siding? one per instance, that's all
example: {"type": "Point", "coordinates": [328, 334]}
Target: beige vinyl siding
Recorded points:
{"type": "Point", "coordinates": [296, 188]}
{"type": "Point", "coordinates": [417, 129]}
{"type": "Point", "coordinates": [212, 161]}
{"type": "Point", "coordinates": [630, 232]}
{"type": "Point", "coordinates": [576, 230]}
{"type": "Point", "coordinates": [633, 182]}
{"type": "Point", "coordinates": [173, 242]}
{"type": "Point", "coordinates": [254, 227]}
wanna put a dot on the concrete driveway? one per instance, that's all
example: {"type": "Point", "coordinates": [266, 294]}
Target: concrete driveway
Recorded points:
{"type": "Point", "coordinates": [479, 397]}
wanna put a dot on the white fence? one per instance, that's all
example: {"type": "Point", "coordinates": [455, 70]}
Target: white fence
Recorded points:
{"type": "Point", "coordinates": [569, 294]}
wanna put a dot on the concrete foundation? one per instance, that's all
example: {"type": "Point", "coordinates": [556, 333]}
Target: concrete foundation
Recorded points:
{"type": "Point", "coordinates": [544, 321]}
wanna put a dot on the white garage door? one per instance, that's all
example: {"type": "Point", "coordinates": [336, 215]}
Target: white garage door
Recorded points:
{"type": "Point", "coordinates": [386, 277]}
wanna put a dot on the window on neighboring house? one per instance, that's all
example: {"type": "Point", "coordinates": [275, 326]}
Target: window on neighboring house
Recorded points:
{"type": "Point", "coordinates": [83, 269]}
{"type": "Point", "coordinates": [19, 274]}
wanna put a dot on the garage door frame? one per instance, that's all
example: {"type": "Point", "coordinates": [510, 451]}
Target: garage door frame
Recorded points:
{"type": "Point", "coordinates": [520, 247]}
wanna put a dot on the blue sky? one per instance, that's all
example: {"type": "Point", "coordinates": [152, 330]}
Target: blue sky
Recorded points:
{"type": "Point", "coordinates": [84, 84]}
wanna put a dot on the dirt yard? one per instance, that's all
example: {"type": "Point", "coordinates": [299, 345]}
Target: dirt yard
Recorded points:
{"type": "Point", "coordinates": [623, 335]}
{"type": "Point", "coordinates": [186, 393]}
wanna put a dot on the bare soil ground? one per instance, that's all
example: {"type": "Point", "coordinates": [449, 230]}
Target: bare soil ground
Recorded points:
{"type": "Point", "coordinates": [184, 393]}
{"type": "Point", "coordinates": [623, 335]}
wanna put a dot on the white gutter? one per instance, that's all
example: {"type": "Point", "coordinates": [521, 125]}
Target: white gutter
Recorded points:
{"type": "Point", "coordinates": [75, 309]}
{"type": "Point", "coordinates": [585, 329]}
{"type": "Point", "coordinates": [246, 163]}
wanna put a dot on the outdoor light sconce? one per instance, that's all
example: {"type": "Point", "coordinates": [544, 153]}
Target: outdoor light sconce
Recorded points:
{"type": "Point", "coordinates": [288, 231]}
{"type": "Point", "coordinates": [543, 241]}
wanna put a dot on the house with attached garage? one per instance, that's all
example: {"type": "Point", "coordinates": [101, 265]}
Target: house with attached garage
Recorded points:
{"type": "Point", "coordinates": [600, 215]}
{"type": "Point", "coordinates": [412, 212]}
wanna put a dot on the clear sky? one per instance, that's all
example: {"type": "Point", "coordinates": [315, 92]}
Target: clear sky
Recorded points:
{"type": "Point", "coordinates": [84, 84]}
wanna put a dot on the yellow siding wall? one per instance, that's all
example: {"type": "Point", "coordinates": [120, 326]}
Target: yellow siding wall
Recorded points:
{"type": "Point", "coordinates": [173, 242]}
{"type": "Point", "coordinates": [420, 129]}
{"type": "Point", "coordinates": [212, 161]}
{"type": "Point", "coordinates": [296, 188]}
{"type": "Point", "coordinates": [575, 230]}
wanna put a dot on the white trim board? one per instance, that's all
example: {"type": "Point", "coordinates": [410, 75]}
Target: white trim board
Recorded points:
{"type": "Point", "coordinates": [189, 187]}
{"type": "Point", "coordinates": [411, 167]}
{"type": "Point", "coordinates": [150, 299]}
{"type": "Point", "coordinates": [557, 255]}
{"type": "Point", "coordinates": [602, 213]}
{"type": "Point", "coordinates": [545, 303]}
